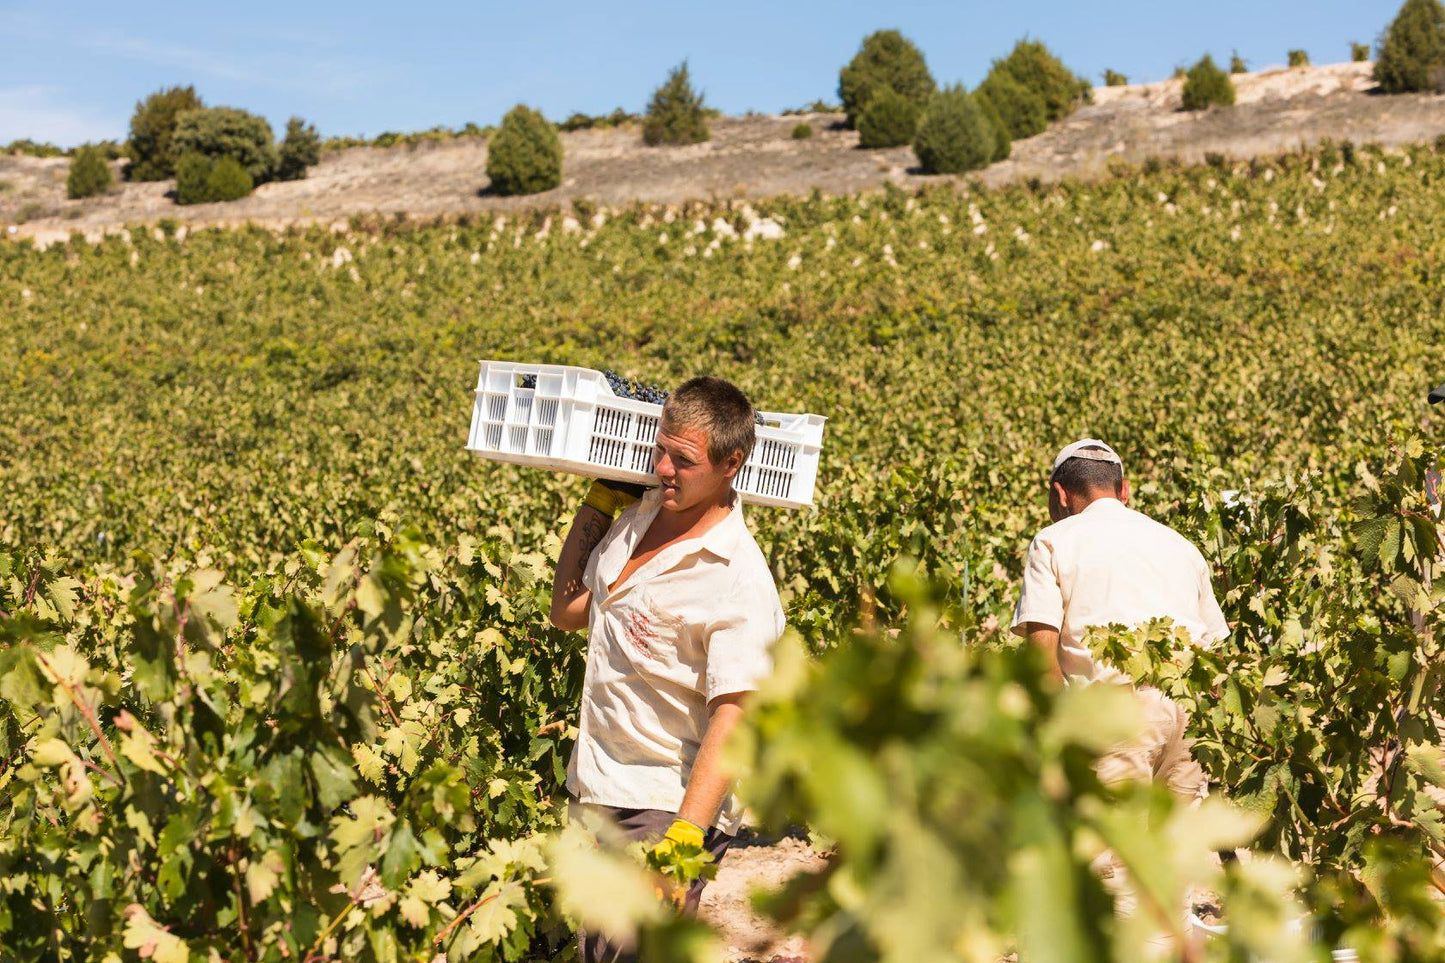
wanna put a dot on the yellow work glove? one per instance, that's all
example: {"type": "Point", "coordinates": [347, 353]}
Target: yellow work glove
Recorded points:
{"type": "Point", "coordinates": [680, 833]}
{"type": "Point", "coordinates": [611, 498]}
{"type": "Point", "coordinates": [680, 858]}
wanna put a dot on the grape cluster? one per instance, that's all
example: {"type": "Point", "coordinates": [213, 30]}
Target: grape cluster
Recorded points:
{"type": "Point", "coordinates": [636, 390]}
{"type": "Point", "coordinates": [628, 388]}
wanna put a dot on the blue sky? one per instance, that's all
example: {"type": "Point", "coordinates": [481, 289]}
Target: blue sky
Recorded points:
{"type": "Point", "coordinates": [72, 71]}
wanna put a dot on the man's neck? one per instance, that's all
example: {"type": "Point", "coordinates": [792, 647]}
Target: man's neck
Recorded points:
{"type": "Point", "coordinates": [694, 521]}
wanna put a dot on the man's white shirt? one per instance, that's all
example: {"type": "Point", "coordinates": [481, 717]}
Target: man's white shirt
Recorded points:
{"type": "Point", "coordinates": [1111, 565]}
{"type": "Point", "coordinates": [695, 622]}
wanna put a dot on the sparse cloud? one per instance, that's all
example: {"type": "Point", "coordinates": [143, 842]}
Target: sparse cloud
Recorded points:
{"type": "Point", "coordinates": [288, 61]}
{"type": "Point", "coordinates": [41, 113]}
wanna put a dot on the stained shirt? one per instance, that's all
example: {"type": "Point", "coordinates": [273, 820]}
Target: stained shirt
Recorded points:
{"type": "Point", "coordinates": [696, 621]}
{"type": "Point", "coordinates": [1110, 565]}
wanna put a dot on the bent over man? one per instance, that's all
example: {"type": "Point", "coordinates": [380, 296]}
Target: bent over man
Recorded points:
{"type": "Point", "coordinates": [682, 612]}
{"type": "Point", "coordinates": [1101, 563]}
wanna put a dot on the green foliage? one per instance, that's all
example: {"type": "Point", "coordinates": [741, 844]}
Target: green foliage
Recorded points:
{"type": "Point", "coordinates": [954, 134]}
{"type": "Point", "coordinates": [889, 120]}
{"type": "Point", "coordinates": [1207, 86]}
{"type": "Point", "coordinates": [227, 180]}
{"type": "Point", "coordinates": [277, 755]}
{"type": "Point", "coordinates": [151, 147]}
{"type": "Point", "coordinates": [217, 132]}
{"type": "Point", "coordinates": [580, 121]}
{"type": "Point", "coordinates": [89, 174]}
{"type": "Point", "coordinates": [193, 173]}
{"type": "Point", "coordinates": [1021, 109]}
{"type": "Point", "coordinates": [1112, 78]}
{"type": "Point", "coordinates": [525, 156]}
{"type": "Point", "coordinates": [300, 149]}
{"type": "Point", "coordinates": [1411, 56]}
{"type": "Point", "coordinates": [675, 115]}
{"type": "Point", "coordinates": [1035, 67]}
{"type": "Point", "coordinates": [276, 437]}
{"type": "Point", "coordinates": [819, 106]}
{"type": "Point", "coordinates": [30, 148]}
{"type": "Point", "coordinates": [1237, 64]}
{"type": "Point", "coordinates": [962, 798]}
{"type": "Point", "coordinates": [802, 130]}
{"type": "Point", "coordinates": [1299, 58]}
{"type": "Point", "coordinates": [1359, 52]}
{"type": "Point", "coordinates": [1003, 144]}
{"type": "Point", "coordinates": [1284, 710]}
{"type": "Point", "coordinates": [888, 60]}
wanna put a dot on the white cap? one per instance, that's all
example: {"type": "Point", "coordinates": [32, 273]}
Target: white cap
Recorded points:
{"type": "Point", "coordinates": [1080, 449]}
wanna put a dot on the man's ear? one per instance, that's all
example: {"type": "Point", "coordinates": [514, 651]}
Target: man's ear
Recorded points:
{"type": "Point", "coordinates": [1058, 502]}
{"type": "Point", "coordinates": [733, 464]}
{"type": "Point", "coordinates": [1124, 491]}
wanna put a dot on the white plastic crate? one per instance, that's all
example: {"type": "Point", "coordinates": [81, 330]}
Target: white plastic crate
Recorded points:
{"type": "Point", "coordinates": [571, 421]}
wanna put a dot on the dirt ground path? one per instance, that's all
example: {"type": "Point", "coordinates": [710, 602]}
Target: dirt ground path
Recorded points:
{"type": "Point", "coordinates": [754, 157]}
{"type": "Point", "coordinates": [727, 906]}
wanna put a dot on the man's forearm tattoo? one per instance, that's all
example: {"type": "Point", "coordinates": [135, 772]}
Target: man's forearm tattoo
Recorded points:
{"type": "Point", "coordinates": [594, 526]}
{"type": "Point", "coordinates": [591, 526]}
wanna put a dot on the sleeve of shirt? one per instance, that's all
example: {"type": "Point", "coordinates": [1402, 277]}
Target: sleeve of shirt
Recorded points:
{"type": "Point", "coordinates": [1216, 627]}
{"type": "Point", "coordinates": [1040, 598]}
{"type": "Point", "coordinates": [740, 640]}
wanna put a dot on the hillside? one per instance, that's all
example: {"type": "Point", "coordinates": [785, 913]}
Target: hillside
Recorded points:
{"type": "Point", "coordinates": [754, 157]}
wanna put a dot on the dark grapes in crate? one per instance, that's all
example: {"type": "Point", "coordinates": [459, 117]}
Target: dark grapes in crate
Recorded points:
{"type": "Point", "coordinates": [627, 388]}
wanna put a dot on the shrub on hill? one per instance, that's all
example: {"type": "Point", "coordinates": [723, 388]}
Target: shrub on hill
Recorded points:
{"type": "Point", "coordinates": [299, 150]}
{"type": "Point", "coordinates": [802, 130]}
{"type": "Point", "coordinates": [676, 114]}
{"type": "Point", "coordinates": [954, 134]}
{"type": "Point", "coordinates": [1299, 58]}
{"type": "Point", "coordinates": [1359, 52]}
{"type": "Point", "coordinates": [1237, 64]}
{"type": "Point", "coordinates": [1411, 56]}
{"type": "Point", "coordinates": [1112, 78]}
{"type": "Point", "coordinates": [580, 121]}
{"type": "Point", "coordinates": [220, 132]}
{"type": "Point", "coordinates": [1035, 66]}
{"type": "Point", "coordinates": [1003, 142]}
{"type": "Point", "coordinates": [193, 171]}
{"type": "Point", "coordinates": [886, 59]}
{"type": "Point", "coordinates": [152, 131]}
{"type": "Point", "coordinates": [228, 180]}
{"type": "Point", "coordinates": [525, 156]}
{"type": "Point", "coordinates": [889, 120]}
{"type": "Point", "coordinates": [32, 148]}
{"type": "Point", "coordinates": [89, 174]}
{"type": "Point", "coordinates": [1022, 111]}
{"type": "Point", "coordinates": [1206, 86]}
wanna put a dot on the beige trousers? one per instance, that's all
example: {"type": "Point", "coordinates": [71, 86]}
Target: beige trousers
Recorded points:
{"type": "Point", "coordinates": [1161, 753]}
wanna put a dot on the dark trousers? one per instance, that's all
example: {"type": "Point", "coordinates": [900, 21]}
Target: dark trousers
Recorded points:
{"type": "Point", "coordinates": [649, 826]}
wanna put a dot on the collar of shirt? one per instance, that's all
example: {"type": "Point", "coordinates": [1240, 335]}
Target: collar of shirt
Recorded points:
{"type": "Point", "coordinates": [1104, 504]}
{"type": "Point", "coordinates": [721, 540]}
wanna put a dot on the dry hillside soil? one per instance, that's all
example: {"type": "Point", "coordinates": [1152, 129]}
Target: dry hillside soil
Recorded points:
{"type": "Point", "coordinates": [755, 156]}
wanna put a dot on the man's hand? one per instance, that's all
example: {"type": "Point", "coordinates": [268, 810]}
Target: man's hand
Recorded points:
{"type": "Point", "coordinates": [679, 857]}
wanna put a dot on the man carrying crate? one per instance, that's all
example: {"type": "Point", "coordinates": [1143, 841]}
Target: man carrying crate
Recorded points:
{"type": "Point", "coordinates": [1101, 563]}
{"type": "Point", "coordinates": [681, 612]}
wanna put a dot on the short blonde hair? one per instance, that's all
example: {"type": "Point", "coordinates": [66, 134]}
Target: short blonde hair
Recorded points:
{"type": "Point", "coordinates": [719, 409]}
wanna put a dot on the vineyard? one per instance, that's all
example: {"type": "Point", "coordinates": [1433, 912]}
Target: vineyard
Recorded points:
{"type": "Point", "coordinates": [276, 681]}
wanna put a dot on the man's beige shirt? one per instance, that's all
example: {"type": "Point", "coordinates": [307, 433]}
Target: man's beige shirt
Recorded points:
{"type": "Point", "coordinates": [1111, 565]}
{"type": "Point", "coordinates": [695, 622]}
